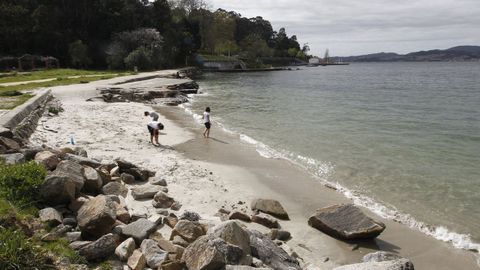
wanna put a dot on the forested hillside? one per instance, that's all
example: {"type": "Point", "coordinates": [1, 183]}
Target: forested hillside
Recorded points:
{"type": "Point", "coordinates": [123, 33]}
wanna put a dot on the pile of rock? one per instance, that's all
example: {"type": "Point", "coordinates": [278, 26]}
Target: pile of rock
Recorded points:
{"type": "Point", "coordinates": [171, 95]}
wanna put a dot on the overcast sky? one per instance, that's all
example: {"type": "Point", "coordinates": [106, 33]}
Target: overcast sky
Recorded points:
{"type": "Point", "coordinates": [353, 27]}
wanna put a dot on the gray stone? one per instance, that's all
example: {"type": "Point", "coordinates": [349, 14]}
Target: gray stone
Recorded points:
{"type": "Point", "coordinates": [115, 171]}
{"type": "Point", "coordinates": [48, 159]}
{"type": "Point", "coordinates": [101, 248]}
{"type": "Point", "coordinates": [279, 234]}
{"type": "Point", "coordinates": [83, 160]}
{"type": "Point", "coordinates": [58, 190]}
{"type": "Point", "coordinates": [11, 159]}
{"type": "Point", "coordinates": [93, 181]}
{"type": "Point", "coordinates": [127, 178]}
{"type": "Point", "coordinates": [346, 222]}
{"type": "Point", "coordinates": [97, 216]}
{"type": "Point", "coordinates": [9, 144]}
{"type": "Point", "coordinates": [115, 188]}
{"type": "Point", "coordinates": [74, 236]}
{"type": "Point", "coordinates": [73, 171]}
{"type": "Point", "coordinates": [381, 256]}
{"type": "Point", "coordinates": [157, 181]}
{"type": "Point", "coordinates": [146, 191]}
{"type": "Point", "coordinates": [56, 233]}
{"type": "Point", "coordinates": [139, 230]}
{"type": "Point", "coordinates": [232, 233]}
{"type": "Point", "coordinates": [271, 207]}
{"type": "Point", "coordinates": [80, 152]}
{"type": "Point", "coordinates": [153, 254]}
{"type": "Point", "coordinates": [162, 200]}
{"type": "Point", "coordinates": [272, 255]}
{"type": "Point", "coordinates": [176, 205]}
{"type": "Point", "coordinates": [189, 215]}
{"type": "Point", "coordinates": [178, 240]}
{"type": "Point", "coordinates": [138, 174]}
{"type": "Point", "coordinates": [76, 245]}
{"type": "Point", "coordinates": [125, 249]}
{"type": "Point", "coordinates": [400, 264]}
{"type": "Point", "coordinates": [188, 230]}
{"type": "Point", "coordinates": [76, 204]}
{"type": "Point", "coordinates": [208, 253]}
{"type": "Point", "coordinates": [51, 216]}
{"type": "Point", "coordinates": [244, 267]}
{"type": "Point", "coordinates": [240, 216]}
{"type": "Point", "coordinates": [137, 261]}
{"type": "Point", "coordinates": [265, 220]}
{"type": "Point", "coordinates": [124, 165]}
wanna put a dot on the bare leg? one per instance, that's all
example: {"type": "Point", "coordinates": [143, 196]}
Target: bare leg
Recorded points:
{"type": "Point", "coordinates": [156, 138]}
{"type": "Point", "coordinates": [208, 133]}
{"type": "Point", "coordinates": [205, 133]}
{"type": "Point", "coordinates": [151, 138]}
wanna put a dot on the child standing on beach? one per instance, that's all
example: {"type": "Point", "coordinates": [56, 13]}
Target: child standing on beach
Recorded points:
{"type": "Point", "coordinates": [206, 120]}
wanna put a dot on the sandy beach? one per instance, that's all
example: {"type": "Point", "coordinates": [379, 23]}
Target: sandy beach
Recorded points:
{"type": "Point", "coordinates": [208, 174]}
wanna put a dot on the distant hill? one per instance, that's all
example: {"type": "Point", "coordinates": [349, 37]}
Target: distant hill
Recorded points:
{"type": "Point", "coordinates": [455, 54]}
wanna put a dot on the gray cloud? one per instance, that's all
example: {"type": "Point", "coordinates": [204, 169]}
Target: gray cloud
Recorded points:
{"type": "Point", "coordinates": [351, 27]}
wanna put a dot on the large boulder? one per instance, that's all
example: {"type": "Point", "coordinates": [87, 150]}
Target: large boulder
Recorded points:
{"type": "Point", "coordinates": [58, 190]}
{"type": "Point", "coordinates": [101, 248]}
{"type": "Point", "coordinates": [162, 200]}
{"type": "Point", "coordinates": [139, 229]}
{"type": "Point", "coordinates": [346, 222]}
{"type": "Point", "coordinates": [124, 165]}
{"type": "Point", "coordinates": [188, 230]}
{"type": "Point", "coordinates": [93, 180]}
{"type": "Point", "coordinates": [146, 191]}
{"type": "Point", "coordinates": [208, 253]}
{"type": "Point", "coordinates": [73, 171]}
{"type": "Point", "coordinates": [399, 264]}
{"type": "Point", "coordinates": [51, 216]}
{"type": "Point", "coordinates": [115, 188]}
{"type": "Point", "coordinates": [272, 255]}
{"type": "Point", "coordinates": [97, 216]}
{"type": "Point", "coordinates": [234, 234]}
{"type": "Point", "coordinates": [48, 159]}
{"type": "Point", "coordinates": [83, 160]}
{"type": "Point", "coordinates": [11, 159]}
{"type": "Point", "coordinates": [271, 207]}
{"type": "Point", "coordinates": [125, 249]}
{"type": "Point", "coordinates": [153, 254]}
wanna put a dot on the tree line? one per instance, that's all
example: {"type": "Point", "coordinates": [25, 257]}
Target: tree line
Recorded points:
{"type": "Point", "coordinates": [120, 34]}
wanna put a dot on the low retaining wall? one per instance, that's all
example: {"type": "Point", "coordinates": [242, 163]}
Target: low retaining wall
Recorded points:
{"type": "Point", "coordinates": [22, 121]}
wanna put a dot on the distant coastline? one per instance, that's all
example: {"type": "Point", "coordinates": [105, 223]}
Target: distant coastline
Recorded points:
{"type": "Point", "coordinates": [454, 54]}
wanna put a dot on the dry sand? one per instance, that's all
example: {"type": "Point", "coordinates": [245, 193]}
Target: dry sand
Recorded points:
{"type": "Point", "coordinates": [206, 174]}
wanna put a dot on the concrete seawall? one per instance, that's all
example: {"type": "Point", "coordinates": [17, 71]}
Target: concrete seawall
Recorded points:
{"type": "Point", "coordinates": [21, 121]}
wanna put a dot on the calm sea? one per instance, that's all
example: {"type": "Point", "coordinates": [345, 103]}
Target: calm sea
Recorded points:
{"type": "Point", "coordinates": [400, 138]}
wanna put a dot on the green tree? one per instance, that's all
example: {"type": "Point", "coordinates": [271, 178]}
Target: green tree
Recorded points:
{"type": "Point", "coordinates": [79, 54]}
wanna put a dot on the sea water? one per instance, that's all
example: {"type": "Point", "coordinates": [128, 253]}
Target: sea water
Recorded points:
{"type": "Point", "coordinates": [400, 138]}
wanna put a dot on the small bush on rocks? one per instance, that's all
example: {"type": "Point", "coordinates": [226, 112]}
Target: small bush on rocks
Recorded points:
{"type": "Point", "coordinates": [20, 183]}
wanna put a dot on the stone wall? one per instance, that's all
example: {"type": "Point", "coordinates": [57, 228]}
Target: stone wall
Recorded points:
{"type": "Point", "coordinates": [22, 121]}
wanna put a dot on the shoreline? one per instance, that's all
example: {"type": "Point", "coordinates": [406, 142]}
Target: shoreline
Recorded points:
{"type": "Point", "coordinates": [208, 174]}
{"type": "Point", "coordinates": [422, 249]}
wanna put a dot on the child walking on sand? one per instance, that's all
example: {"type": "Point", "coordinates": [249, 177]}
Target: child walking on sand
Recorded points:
{"type": "Point", "coordinates": [206, 120]}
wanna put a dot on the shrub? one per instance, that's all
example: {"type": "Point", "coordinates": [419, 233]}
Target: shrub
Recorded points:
{"type": "Point", "coordinates": [11, 93]}
{"type": "Point", "coordinates": [17, 252]}
{"type": "Point", "coordinates": [20, 183]}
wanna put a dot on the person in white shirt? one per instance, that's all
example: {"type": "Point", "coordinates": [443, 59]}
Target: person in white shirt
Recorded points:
{"type": "Point", "coordinates": [153, 128]}
{"type": "Point", "coordinates": [206, 121]}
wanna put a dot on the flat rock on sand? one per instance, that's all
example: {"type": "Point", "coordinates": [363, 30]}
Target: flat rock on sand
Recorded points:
{"type": "Point", "coordinates": [401, 264]}
{"type": "Point", "coordinates": [271, 207]}
{"type": "Point", "coordinates": [345, 221]}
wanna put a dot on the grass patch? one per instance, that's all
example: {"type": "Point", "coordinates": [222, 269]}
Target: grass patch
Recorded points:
{"type": "Point", "coordinates": [20, 183]}
{"type": "Point", "coordinates": [18, 252]}
{"type": "Point", "coordinates": [47, 74]}
{"type": "Point", "coordinates": [61, 248]}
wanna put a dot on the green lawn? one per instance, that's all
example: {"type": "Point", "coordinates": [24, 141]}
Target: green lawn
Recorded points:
{"type": "Point", "coordinates": [46, 74]}
{"type": "Point", "coordinates": [10, 96]}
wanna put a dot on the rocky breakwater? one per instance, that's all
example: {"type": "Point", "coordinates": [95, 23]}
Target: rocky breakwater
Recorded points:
{"type": "Point", "coordinates": [171, 94]}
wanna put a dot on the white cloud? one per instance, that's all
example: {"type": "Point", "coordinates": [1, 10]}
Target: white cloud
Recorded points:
{"type": "Point", "coordinates": [351, 27]}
